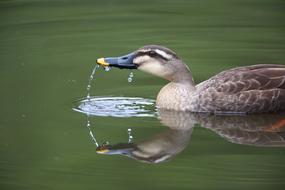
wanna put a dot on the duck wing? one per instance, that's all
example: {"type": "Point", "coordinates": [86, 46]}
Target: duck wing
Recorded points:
{"type": "Point", "coordinates": [257, 88]}
{"type": "Point", "coordinates": [256, 77]}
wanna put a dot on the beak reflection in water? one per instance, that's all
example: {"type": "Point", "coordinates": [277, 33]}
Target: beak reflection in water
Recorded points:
{"type": "Point", "coordinates": [123, 62]}
{"type": "Point", "coordinates": [121, 148]}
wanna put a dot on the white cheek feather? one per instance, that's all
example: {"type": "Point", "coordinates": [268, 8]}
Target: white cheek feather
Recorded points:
{"type": "Point", "coordinates": [154, 68]}
{"type": "Point", "coordinates": [141, 59]}
{"type": "Point", "coordinates": [163, 54]}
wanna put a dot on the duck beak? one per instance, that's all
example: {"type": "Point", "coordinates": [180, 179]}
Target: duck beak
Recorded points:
{"type": "Point", "coordinates": [123, 62]}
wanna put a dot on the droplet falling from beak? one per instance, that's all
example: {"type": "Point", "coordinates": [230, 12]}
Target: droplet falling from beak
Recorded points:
{"type": "Point", "coordinates": [130, 77]}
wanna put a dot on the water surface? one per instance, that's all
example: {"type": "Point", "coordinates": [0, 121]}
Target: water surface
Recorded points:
{"type": "Point", "coordinates": [48, 50]}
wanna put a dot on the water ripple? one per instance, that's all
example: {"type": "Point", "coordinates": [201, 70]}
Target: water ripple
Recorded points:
{"type": "Point", "coordinates": [117, 107]}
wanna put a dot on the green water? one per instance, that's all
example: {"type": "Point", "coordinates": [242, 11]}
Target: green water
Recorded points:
{"type": "Point", "coordinates": [47, 52]}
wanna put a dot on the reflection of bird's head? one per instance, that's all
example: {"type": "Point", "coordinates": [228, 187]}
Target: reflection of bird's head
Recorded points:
{"type": "Point", "coordinates": [160, 147]}
{"type": "Point", "coordinates": [156, 149]}
{"type": "Point", "coordinates": [131, 150]}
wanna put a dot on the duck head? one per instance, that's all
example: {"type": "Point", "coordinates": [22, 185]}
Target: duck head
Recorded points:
{"type": "Point", "coordinates": [153, 59]}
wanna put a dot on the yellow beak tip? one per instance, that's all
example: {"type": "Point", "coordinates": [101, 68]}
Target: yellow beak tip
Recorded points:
{"type": "Point", "coordinates": [102, 151]}
{"type": "Point", "coordinates": [101, 61]}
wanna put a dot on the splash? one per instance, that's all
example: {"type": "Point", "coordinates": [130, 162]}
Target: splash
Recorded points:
{"type": "Point", "coordinates": [117, 107]}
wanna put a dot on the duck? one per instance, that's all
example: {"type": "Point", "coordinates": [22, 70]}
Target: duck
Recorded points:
{"type": "Point", "coordinates": [242, 90]}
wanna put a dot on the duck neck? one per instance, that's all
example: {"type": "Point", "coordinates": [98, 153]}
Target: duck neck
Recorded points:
{"type": "Point", "coordinates": [183, 76]}
{"type": "Point", "coordinates": [178, 94]}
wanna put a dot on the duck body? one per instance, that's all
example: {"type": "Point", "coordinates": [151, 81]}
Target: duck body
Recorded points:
{"type": "Point", "coordinates": [250, 89]}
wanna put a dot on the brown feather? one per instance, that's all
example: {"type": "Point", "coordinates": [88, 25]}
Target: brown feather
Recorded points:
{"type": "Point", "coordinates": [257, 88]}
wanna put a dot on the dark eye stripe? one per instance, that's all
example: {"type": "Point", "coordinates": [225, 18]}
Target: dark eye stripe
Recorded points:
{"type": "Point", "coordinates": [151, 54]}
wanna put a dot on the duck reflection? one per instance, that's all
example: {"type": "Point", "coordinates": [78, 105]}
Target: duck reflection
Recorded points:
{"type": "Point", "coordinates": [264, 130]}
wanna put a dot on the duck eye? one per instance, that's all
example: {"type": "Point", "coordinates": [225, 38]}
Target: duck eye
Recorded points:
{"type": "Point", "coordinates": [152, 53]}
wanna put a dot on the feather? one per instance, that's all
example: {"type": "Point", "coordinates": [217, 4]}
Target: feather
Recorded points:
{"type": "Point", "coordinates": [257, 88]}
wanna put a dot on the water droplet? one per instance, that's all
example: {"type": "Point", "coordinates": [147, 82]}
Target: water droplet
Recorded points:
{"type": "Point", "coordinates": [130, 137]}
{"type": "Point", "coordinates": [130, 77]}
{"type": "Point", "coordinates": [92, 76]}
{"type": "Point", "coordinates": [88, 125]}
{"type": "Point", "coordinates": [107, 68]}
{"type": "Point", "coordinates": [106, 143]}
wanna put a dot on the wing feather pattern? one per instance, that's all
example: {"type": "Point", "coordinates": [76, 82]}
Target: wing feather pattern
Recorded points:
{"type": "Point", "coordinates": [257, 88]}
